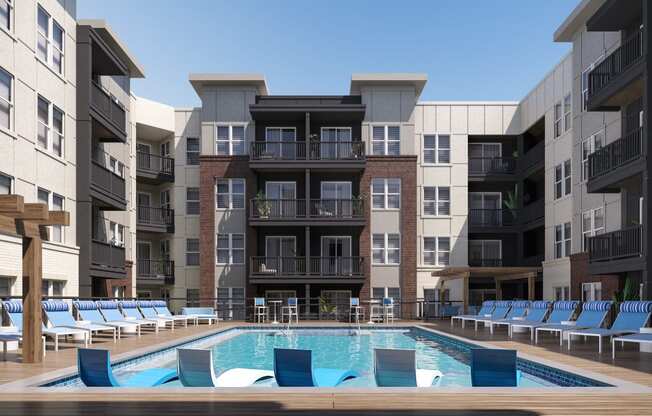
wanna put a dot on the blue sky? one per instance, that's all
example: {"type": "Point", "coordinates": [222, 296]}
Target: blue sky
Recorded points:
{"type": "Point", "coordinates": [470, 49]}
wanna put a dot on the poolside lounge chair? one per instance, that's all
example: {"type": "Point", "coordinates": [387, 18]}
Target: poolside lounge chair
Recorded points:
{"type": "Point", "coordinates": [261, 310]}
{"type": "Point", "coordinates": [58, 315]}
{"type": "Point", "coordinates": [486, 309]}
{"type": "Point", "coordinates": [633, 315]}
{"type": "Point", "coordinates": [87, 310]}
{"type": "Point", "coordinates": [641, 338]}
{"type": "Point", "coordinates": [14, 310]}
{"type": "Point", "coordinates": [6, 337]}
{"type": "Point", "coordinates": [518, 310]}
{"type": "Point", "coordinates": [562, 310]}
{"type": "Point", "coordinates": [195, 368]}
{"type": "Point", "coordinates": [201, 313]}
{"type": "Point", "coordinates": [94, 366]}
{"type": "Point", "coordinates": [161, 308]}
{"type": "Point", "coordinates": [147, 309]}
{"type": "Point", "coordinates": [494, 368]}
{"type": "Point", "coordinates": [293, 368]}
{"type": "Point", "coordinates": [131, 313]}
{"type": "Point", "coordinates": [398, 368]}
{"type": "Point", "coordinates": [109, 309]}
{"type": "Point", "coordinates": [592, 316]}
{"type": "Point", "coordinates": [501, 309]}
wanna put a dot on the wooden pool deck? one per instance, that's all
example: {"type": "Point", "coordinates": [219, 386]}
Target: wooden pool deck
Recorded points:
{"type": "Point", "coordinates": [630, 365]}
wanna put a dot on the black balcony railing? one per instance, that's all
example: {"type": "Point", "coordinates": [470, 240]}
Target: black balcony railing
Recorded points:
{"type": "Point", "coordinates": [155, 215]}
{"type": "Point", "coordinates": [336, 208]}
{"type": "Point", "coordinates": [299, 150]}
{"type": "Point", "coordinates": [155, 164]}
{"type": "Point", "coordinates": [337, 150]}
{"type": "Point", "coordinates": [616, 244]}
{"type": "Point", "coordinates": [156, 269]}
{"type": "Point", "coordinates": [296, 266]}
{"type": "Point", "coordinates": [532, 212]}
{"type": "Point", "coordinates": [491, 165]}
{"type": "Point", "coordinates": [616, 154]}
{"type": "Point", "coordinates": [629, 53]}
{"type": "Point", "coordinates": [108, 175]}
{"type": "Point", "coordinates": [492, 217]}
{"type": "Point", "coordinates": [275, 150]}
{"type": "Point", "coordinates": [480, 262]}
{"type": "Point", "coordinates": [533, 156]}
{"type": "Point", "coordinates": [108, 106]}
{"type": "Point", "coordinates": [278, 266]}
{"type": "Point", "coordinates": [108, 255]}
{"type": "Point", "coordinates": [337, 266]}
{"type": "Point", "coordinates": [278, 208]}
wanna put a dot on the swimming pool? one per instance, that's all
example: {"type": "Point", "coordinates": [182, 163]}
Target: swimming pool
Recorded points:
{"type": "Point", "coordinates": [340, 348]}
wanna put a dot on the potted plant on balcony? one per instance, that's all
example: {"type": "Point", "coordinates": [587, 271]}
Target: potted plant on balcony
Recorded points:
{"type": "Point", "coordinates": [315, 149]}
{"type": "Point", "coordinates": [326, 308]}
{"type": "Point", "coordinates": [511, 202]}
{"type": "Point", "coordinates": [263, 206]}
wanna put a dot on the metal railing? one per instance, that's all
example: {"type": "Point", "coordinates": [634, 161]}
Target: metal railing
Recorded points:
{"type": "Point", "coordinates": [107, 254]}
{"type": "Point", "coordinates": [616, 244]}
{"type": "Point", "coordinates": [296, 266]}
{"type": "Point", "coordinates": [492, 217]}
{"type": "Point", "coordinates": [491, 165]}
{"type": "Point", "coordinates": [155, 269]}
{"type": "Point", "coordinates": [155, 215]}
{"type": "Point", "coordinates": [485, 262]}
{"type": "Point", "coordinates": [159, 165]}
{"type": "Point", "coordinates": [277, 208]}
{"type": "Point", "coordinates": [337, 208]}
{"type": "Point", "coordinates": [276, 150]}
{"type": "Point", "coordinates": [629, 53]}
{"type": "Point", "coordinates": [337, 150]}
{"type": "Point", "coordinates": [300, 150]}
{"type": "Point", "coordinates": [105, 177]}
{"type": "Point", "coordinates": [533, 156]}
{"type": "Point", "coordinates": [109, 106]}
{"type": "Point", "coordinates": [337, 266]}
{"type": "Point", "coordinates": [616, 154]}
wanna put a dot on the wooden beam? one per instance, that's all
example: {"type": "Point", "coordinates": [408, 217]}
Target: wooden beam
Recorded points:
{"type": "Point", "coordinates": [32, 281]}
{"type": "Point", "coordinates": [499, 290]}
{"type": "Point", "coordinates": [28, 229]}
{"type": "Point", "coordinates": [35, 212]}
{"type": "Point", "coordinates": [8, 225]}
{"type": "Point", "coordinates": [531, 293]}
{"type": "Point", "coordinates": [11, 204]}
{"type": "Point", "coordinates": [57, 218]}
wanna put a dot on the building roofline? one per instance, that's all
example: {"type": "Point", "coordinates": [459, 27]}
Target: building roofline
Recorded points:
{"type": "Point", "coordinates": [201, 80]}
{"type": "Point", "coordinates": [417, 80]}
{"type": "Point", "coordinates": [468, 103]}
{"type": "Point", "coordinates": [576, 20]}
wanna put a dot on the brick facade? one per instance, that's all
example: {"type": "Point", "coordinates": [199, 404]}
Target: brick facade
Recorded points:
{"type": "Point", "coordinates": [580, 274]}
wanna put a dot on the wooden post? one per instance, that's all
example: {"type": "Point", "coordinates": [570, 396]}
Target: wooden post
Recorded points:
{"type": "Point", "coordinates": [531, 286]}
{"type": "Point", "coordinates": [32, 278]}
{"type": "Point", "coordinates": [465, 291]}
{"type": "Point", "coordinates": [499, 289]}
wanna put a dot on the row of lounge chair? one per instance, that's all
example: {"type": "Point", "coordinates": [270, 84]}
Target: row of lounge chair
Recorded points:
{"type": "Point", "coordinates": [556, 317]}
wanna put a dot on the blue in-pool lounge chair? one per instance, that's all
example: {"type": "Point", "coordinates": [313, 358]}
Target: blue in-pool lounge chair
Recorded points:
{"type": "Point", "coordinates": [592, 316]}
{"type": "Point", "coordinates": [94, 366]}
{"type": "Point", "coordinates": [518, 310]}
{"type": "Point", "coordinates": [640, 338]}
{"type": "Point", "coordinates": [562, 310]}
{"type": "Point", "coordinates": [58, 314]}
{"type": "Point", "coordinates": [293, 368]}
{"type": "Point", "coordinates": [161, 308]}
{"type": "Point", "coordinates": [88, 310]}
{"type": "Point", "coordinates": [485, 311]}
{"type": "Point", "coordinates": [195, 369]}
{"type": "Point", "coordinates": [501, 309]}
{"type": "Point", "coordinates": [14, 310]}
{"type": "Point", "coordinates": [633, 315]}
{"type": "Point", "coordinates": [147, 309]}
{"type": "Point", "coordinates": [494, 368]}
{"type": "Point", "coordinates": [398, 368]}
{"type": "Point", "coordinates": [110, 310]}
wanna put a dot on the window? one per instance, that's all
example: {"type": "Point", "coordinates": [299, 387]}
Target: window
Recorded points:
{"type": "Point", "coordinates": [57, 287]}
{"type": "Point", "coordinates": [386, 140]}
{"type": "Point", "coordinates": [192, 201]}
{"type": "Point", "coordinates": [585, 82]}
{"type": "Point", "coordinates": [116, 167]}
{"type": "Point", "coordinates": [6, 14]}
{"type": "Point", "coordinates": [192, 297]}
{"type": "Point", "coordinates": [486, 253]}
{"type": "Point", "coordinates": [230, 248]}
{"type": "Point", "coordinates": [230, 140]}
{"type": "Point", "coordinates": [6, 184]}
{"type": "Point", "coordinates": [231, 302]}
{"type": "Point", "coordinates": [57, 205]}
{"type": "Point", "coordinates": [192, 252]}
{"type": "Point", "coordinates": [50, 127]}
{"type": "Point", "coordinates": [5, 287]}
{"type": "Point", "coordinates": [386, 248]}
{"type": "Point", "coordinates": [117, 234]}
{"type": "Point", "coordinates": [192, 151]}
{"type": "Point", "coordinates": [558, 119]}
{"type": "Point", "coordinates": [561, 293]}
{"type": "Point", "coordinates": [230, 193]}
{"type": "Point", "coordinates": [436, 149]}
{"type": "Point", "coordinates": [562, 240]}
{"type": "Point", "coordinates": [567, 112]}
{"type": "Point", "coordinates": [436, 251]}
{"type": "Point", "coordinates": [436, 200]}
{"type": "Point", "coordinates": [563, 179]}
{"type": "Point", "coordinates": [50, 38]}
{"type": "Point", "coordinates": [592, 224]}
{"type": "Point", "coordinates": [165, 149]}
{"type": "Point", "coordinates": [386, 193]}
{"type": "Point", "coordinates": [590, 145]}
{"type": "Point", "coordinates": [6, 99]}
{"type": "Point", "coordinates": [591, 291]}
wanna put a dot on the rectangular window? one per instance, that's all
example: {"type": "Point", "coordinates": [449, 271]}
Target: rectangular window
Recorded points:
{"type": "Point", "coordinates": [591, 291]}
{"type": "Point", "coordinates": [192, 151]}
{"type": "Point", "coordinates": [50, 126]}
{"type": "Point", "coordinates": [192, 297]}
{"type": "Point", "coordinates": [5, 287]}
{"type": "Point", "coordinates": [562, 293]}
{"type": "Point", "coordinates": [592, 224]}
{"type": "Point", "coordinates": [230, 140]}
{"type": "Point", "coordinates": [6, 99]}
{"type": "Point", "coordinates": [585, 82]}
{"type": "Point", "coordinates": [117, 234]}
{"type": "Point", "coordinates": [386, 140]}
{"type": "Point", "coordinates": [50, 41]}
{"type": "Point", "coordinates": [563, 179]}
{"type": "Point", "coordinates": [386, 193]}
{"type": "Point", "coordinates": [486, 253]}
{"type": "Point", "coordinates": [192, 252]}
{"type": "Point", "coordinates": [590, 145]}
{"type": "Point", "coordinates": [386, 248]}
{"type": "Point", "coordinates": [436, 251]}
{"type": "Point", "coordinates": [6, 184]}
{"type": "Point", "coordinates": [6, 15]}
{"type": "Point", "coordinates": [57, 287]}
{"type": "Point", "coordinates": [436, 200]}
{"type": "Point", "coordinates": [567, 112]}
{"type": "Point", "coordinates": [230, 248]}
{"type": "Point", "coordinates": [562, 240]}
{"type": "Point", "coordinates": [436, 149]}
{"type": "Point", "coordinates": [558, 119]}
{"type": "Point", "coordinates": [192, 201]}
{"type": "Point", "coordinates": [57, 205]}
{"type": "Point", "coordinates": [230, 193]}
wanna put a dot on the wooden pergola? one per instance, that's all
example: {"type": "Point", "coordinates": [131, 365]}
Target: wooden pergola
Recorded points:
{"type": "Point", "coordinates": [499, 274]}
{"type": "Point", "coordinates": [30, 222]}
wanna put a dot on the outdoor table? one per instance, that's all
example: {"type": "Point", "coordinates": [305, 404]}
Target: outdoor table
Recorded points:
{"type": "Point", "coordinates": [275, 303]}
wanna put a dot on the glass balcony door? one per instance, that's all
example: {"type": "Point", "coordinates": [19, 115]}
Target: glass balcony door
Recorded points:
{"type": "Point", "coordinates": [335, 143]}
{"type": "Point", "coordinates": [281, 142]}
{"type": "Point", "coordinates": [336, 199]}
{"type": "Point", "coordinates": [482, 156]}
{"type": "Point", "coordinates": [336, 255]}
{"type": "Point", "coordinates": [280, 254]}
{"type": "Point", "coordinates": [485, 208]}
{"type": "Point", "coordinates": [143, 254]}
{"type": "Point", "coordinates": [281, 197]}
{"type": "Point", "coordinates": [485, 253]}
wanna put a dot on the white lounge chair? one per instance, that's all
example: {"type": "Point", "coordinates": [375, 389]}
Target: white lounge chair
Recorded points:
{"type": "Point", "coordinates": [195, 369]}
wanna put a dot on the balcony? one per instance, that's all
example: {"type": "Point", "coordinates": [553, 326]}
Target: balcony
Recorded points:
{"type": "Point", "coordinates": [615, 162]}
{"type": "Point", "coordinates": [495, 168]}
{"type": "Point", "coordinates": [107, 183]}
{"type": "Point", "coordinates": [154, 169]}
{"type": "Point", "coordinates": [293, 212]}
{"type": "Point", "coordinates": [532, 214]}
{"type": "Point", "coordinates": [157, 272]}
{"type": "Point", "coordinates": [155, 219]}
{"type": "Point", "coordinates": [107, 260]}
{"type": "Point", "coordinates": [616, 245]}
{"type": "Point", "coordinates": [299, 154]}
{"type": "Point", "coordinates": [533, 160]}
{"type": "Point", "coordinates": [109, 115]}
{"type": "Point", "coordinates": [318, 269]}
{"type": "Point", "coordinates": [618, 79]}
{"type": "Point", "coordinates": [481, 262]}
{"type": "Point", "coordinates": [492, 218]}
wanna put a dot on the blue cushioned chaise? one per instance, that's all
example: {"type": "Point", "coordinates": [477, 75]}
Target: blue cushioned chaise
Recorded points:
{"type": "Point", "coordinates": [592, 316]}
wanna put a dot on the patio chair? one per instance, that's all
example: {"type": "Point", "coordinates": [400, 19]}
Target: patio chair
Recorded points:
{"type": "Point", "coordinates": [640, 338]}
{"type": "Point", "coordinates": [201, 313]}
{"type": "Point", "coordinates": [88, 310]}
{"type": "Point", "coordinates": [110, 310]}
{"type": "Point", "coordinates": [592, 316]}
{"type": "Point", "coordinates": [58, 314]}
{"type": "Point", "coordinates": [485, 311]}
{"type": "Point", "coordinates": [501, 309]}
{"type": "Point", "coordinates": [147, 310]}
{"type": "Point", "coordinates": [130, 311]}
{"type": "Point", "coordinates": [517, 312]}
{"type": "Point", "coordinates": [493, 368]}
{"type": "Point", "coordinates": [7, 337]}
{"type": "Point", "coordinates": [290, 310]}
{"type": "Point", "coordinates": [94, 366]}
{"type": "Point", "coordinates": [261, 310]}
{"type": "Point", "coordinates": [562, 310]}
{"type": "Point", "coordinates": [633, 315]}
{"type": "Point", "coordinates": [195, 369]}
{"type": "Point", "coordinates": [162, 308]}
{"type": "Point", "coordinates": [293, 368]}
{"type": "Point", "coordinates": [398, 368]}
{"type": "Point", "coordinates": [356, 312]}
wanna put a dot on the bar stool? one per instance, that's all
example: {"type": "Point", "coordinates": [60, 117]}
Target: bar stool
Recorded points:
{"type": "Point", "coordinates": [260, 310]}
{"type": "Point", "coordinates": [355, 310]}
{"type": "Point", "coordinates": [291, 309]}
{"type": "Point", "coordinates": [388, 309]}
